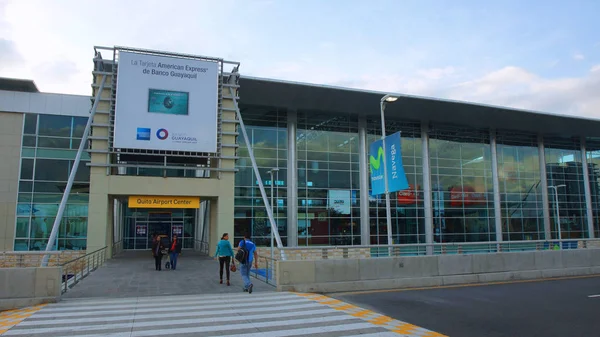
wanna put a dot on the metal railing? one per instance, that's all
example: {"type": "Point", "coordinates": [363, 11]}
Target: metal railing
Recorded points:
{"type": "Point", "coordinates": [117, 248]}
{"type": "Point", "coordinates": [266, 270]}
{"type": "Point", "coordinates": [201, 246]}
{"type": "Point", "coordinates": [77, 269]}
{"type": "Point", "coordinates": [25, 259]}
{"type": "Point", "coordinates": [375, 251]}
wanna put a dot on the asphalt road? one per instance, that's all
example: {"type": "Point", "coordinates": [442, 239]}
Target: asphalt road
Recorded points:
{"type": "Point", "coordinates": [545, 308]}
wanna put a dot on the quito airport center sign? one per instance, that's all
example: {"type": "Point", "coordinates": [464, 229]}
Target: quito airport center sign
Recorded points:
{"type": "Point", "coordinates": [166, 103]}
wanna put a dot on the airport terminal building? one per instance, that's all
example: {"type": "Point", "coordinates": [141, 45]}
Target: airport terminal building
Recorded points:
{"type": "Point", "coordinates": [154, 164]}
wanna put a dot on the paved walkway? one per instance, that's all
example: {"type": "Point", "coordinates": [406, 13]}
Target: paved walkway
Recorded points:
{"type": "Point", "coordinates": [132, 274]}
{"type": "Point", "coordinates": [240, 314]}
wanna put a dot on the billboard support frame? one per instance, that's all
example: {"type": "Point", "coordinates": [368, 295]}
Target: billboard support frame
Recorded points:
{"type": "Point", "coordinates": [223, 71]}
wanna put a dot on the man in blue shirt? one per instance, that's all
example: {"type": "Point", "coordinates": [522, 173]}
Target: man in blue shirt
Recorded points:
{"type": "Point", "coordinates": [245, 267]}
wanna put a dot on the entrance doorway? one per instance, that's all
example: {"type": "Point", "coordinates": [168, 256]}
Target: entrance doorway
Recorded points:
{"type": "Point", "coordinates": [140, 224]}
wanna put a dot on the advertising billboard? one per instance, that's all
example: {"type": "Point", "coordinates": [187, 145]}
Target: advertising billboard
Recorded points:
{"type": "Point", "coordinates": [395, 170]}
{"type": "Point", "coordinates": [166, 103]}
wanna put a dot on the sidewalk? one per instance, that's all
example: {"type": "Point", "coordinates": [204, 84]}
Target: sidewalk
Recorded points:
{"type": "Point", "coordinates": [133, 275]}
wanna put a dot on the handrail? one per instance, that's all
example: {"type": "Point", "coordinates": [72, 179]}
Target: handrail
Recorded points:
{"type": "Point", "coordinates": [201, 246]}
{"type": "Point", "coordinates": [446, 244]}
{"type": "Point", "coordinates": [117, 248]}
{"type": "Point", "coordinates": [81, 267]}
{"type": "Point", "coordinates": [269, 270]}
{"type": "Point", "coordinates": [374, 251]}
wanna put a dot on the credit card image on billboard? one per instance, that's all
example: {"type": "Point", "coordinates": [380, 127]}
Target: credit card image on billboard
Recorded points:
{"type": "Point", "coordinates": [168, 102]}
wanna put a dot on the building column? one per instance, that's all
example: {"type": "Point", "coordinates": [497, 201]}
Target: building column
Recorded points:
{"type": "Point", "coordinates": [587, 189]}
{"type": "Point", "coordinates": [427, 187]}
{"type": "Point", "coordinates": [544, 181]}
{"type": "Point", "coordinates": [365, 222]}
{"type": "Point", "coordinates": [496, 186]}
{"type": "Point", "coordinates": [292, 181]}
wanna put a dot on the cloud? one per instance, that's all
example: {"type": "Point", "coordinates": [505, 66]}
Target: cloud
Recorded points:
{"type": "Point", "coordinates": [518, 88]}
{"type": "Point", "coordinates": [437, 73]}
{"type": "Point", "coordinates": [578, 57]}
{"type": "Point", "coordinates": [9, 55]}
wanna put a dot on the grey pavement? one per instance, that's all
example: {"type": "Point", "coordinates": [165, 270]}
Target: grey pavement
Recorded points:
{"type": "Point", "coordinates": [132, 274]}
{"type": "Point", "coordinates": [549, 308]}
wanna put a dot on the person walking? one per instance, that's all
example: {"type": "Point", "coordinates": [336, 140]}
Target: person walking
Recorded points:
{"type": "Point", "coordinates": [248, 249]}
{"type": "Point", "coordinates": [174, 251]}
{"type": "Point", "coordinates": [157, 251]}
{"type": "Point", "coordinates": [224, 253]}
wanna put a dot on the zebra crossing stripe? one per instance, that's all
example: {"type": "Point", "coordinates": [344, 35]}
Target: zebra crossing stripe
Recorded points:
{"type": "Point", "coordinates": [396, 326]}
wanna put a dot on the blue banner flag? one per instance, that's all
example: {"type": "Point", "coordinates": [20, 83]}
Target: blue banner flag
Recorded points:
{"type": "Point", "coordinates": [395, 170]}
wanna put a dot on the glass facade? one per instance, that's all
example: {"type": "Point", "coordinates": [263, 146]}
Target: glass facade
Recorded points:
{"type": "Point", "coordinates": [328, 179]}
{"type": "Point", "coordinates": [565, 172]}
{"type": "Point", "coordinates": [328, 174]}
{"type": "Point", "coordinates": [593, 160]}
{"type": "Point", "coordinates": [520, 186]}
{"type": "Point", "coordinates": [407, 207]}
{"type": "Point", "coordinates": [49, 147]}
{"type": "Point", "coordinates": [462, 187]}
{"type": "Point", "coordinates": [267, 132]}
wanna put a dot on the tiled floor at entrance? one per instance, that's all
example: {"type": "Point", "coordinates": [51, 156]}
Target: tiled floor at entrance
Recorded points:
{"type": "Point", "coordinates": [132, 274]}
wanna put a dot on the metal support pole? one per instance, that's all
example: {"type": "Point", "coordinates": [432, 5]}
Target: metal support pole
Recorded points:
{"type": "Point", "coordinates": [292, 180]}
{"type": "Point", "coordinates": [388, 210]}
{"type": "Point", "coordinates": [496, 186]}
{"type": "Point", "coordinates": [558, 227]}
{"type": "Point", "coordinates": [65, 197]}
{"type": "Point", "coordinates": [272, 233]}
{"type": "Point", "coordinates": [588, 190]}
{"type": "Point", "coordinates": [365, 226]}
{"type": "Point", "coordinates": [259, 179]}
{"type": "Point", "coordinates": [544, 181]}
{"type": "Point", "coordinates": [427, 188]}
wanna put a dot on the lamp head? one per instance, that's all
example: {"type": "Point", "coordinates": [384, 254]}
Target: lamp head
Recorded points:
{"type": "Point", "coordinates": [389, 98]}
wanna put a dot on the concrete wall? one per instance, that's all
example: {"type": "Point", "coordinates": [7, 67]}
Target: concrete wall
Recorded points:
{"type": "Point", "coordinates": [426, 271]}
{"type": "Point", "coordinates": [22, 287]}
{"type": "Point", "coordinates": [11, 129]}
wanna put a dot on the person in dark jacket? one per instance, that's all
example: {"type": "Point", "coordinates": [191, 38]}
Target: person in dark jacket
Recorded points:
{"type": "Point", "coordinates": [174, 251]}
{"type": "Point", "coordinates": [157, 251]}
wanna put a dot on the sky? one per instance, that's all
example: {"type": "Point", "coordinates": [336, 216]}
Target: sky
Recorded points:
{"type": "Point", "coordinates": [541, 55]}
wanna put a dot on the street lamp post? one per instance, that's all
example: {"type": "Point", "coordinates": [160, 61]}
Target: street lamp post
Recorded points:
{"type": "Point", "coordinates": [384, 100]}
{"type": "Point", "coordinates": [271, 171]}
{"type": "Point", "coordinates": [555, 188]}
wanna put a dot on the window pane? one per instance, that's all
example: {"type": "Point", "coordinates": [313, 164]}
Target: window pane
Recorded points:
{"type": "Point", "coordinates": [52, 169]}
{"type": "Point", "coordinates": [54, 125]}
{"type": "Point", "coordinates": [55, 143]}
{"type": "Point", "coordinates": [25, 186]}
{"type": "Point", "coordinates": [22, 228]}
{"type": "Point", "coordinates": [83, 172]}
{"type": "Point", "coordinates": [24, 197]}
{"type": "Point", "coordinates": [29, 141]}
{"type": "Point", "coordinates": [41, 227]}
{"type": "Point", "coordinates": [78, 126]}
{"type": "Point", "coordinates": [30, 124]}
{"type": "Point", "coordinates": [21, 245]}
{"type": "Point", "coordinates": [49, 187]}
{"type": "Point", "coordinates": [27, 169]}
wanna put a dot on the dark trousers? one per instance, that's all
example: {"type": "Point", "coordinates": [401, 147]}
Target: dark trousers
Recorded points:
{"type": "Point", "coordinates": [224, 261]}
{"type": "Point", "coordinates": [157, 260]}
